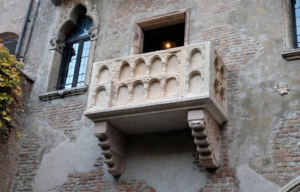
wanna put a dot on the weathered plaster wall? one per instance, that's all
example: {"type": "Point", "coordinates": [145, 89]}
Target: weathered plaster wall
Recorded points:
{"type": "Point", "coordinates": [248, 36]}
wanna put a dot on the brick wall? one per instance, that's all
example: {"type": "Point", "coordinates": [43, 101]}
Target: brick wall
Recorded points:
{"type": "Point", "coordinates": [235, 48]}
{"type": "Point", "coordinates": [209, 8]}
{"type": "Point", "coordinates": [283, 163]}
{"type": "Point", "coordinates": [9, 151]}
{"type": "Point", "coordinates": [8, 35]}
{"type": "Point", "coordinates": [95, 181]}
{"type": "Point", "coordinates": [13, 11]}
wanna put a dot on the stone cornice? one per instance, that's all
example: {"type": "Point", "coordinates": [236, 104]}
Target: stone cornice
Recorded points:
{"type": "Point", "coordinates": [63, 93]}
{"type": "Point", "coordinates": [292, 54]}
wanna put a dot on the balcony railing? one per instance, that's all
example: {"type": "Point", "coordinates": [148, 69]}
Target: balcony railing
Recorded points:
{"type": "Point", "coordinates": [162, 91]}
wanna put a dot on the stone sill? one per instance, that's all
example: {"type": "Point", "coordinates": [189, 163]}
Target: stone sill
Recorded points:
{"type": "Point", "coordinates": [292, 54]}
{"type": "Point", "coordinates": [64, 93]}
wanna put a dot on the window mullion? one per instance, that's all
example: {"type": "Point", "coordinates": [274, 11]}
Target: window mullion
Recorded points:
{"type": "Point", "coordinates": [59, 82]}
{"type": "Point", "coordinates": [78, 60]}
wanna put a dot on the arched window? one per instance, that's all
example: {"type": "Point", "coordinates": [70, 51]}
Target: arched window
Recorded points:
{"type": "Point", "coordinates": [75, 55]}
{"type": "Point", "coordinates": [11, 45]}
{"type": "Point", "coordinates": [296, 21]}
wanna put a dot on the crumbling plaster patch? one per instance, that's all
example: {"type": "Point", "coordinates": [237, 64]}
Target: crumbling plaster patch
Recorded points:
{"type": "Point", "coordinates": [165, 161]}
{"type": "Point", "coordinates": [59, 156]}
{"type": "Point", "coordinates": [251, 181]}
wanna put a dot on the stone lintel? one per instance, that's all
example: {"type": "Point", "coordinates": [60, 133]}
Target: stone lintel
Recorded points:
{"type": "Point", "coordinates": [206, 137]}
{"type": "Point", "coordinates": [112, 141]}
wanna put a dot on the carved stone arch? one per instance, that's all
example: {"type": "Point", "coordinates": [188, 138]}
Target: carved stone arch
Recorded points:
{"type": "Point", "coordinates": [124, 63]}
{"type": "Point", "coordinates": [138, 61]}
{"type": "Point", "coordinates": [292, 186]}
{"type": "Point", "coordinates": [189, 83]}
{"type": "Point", "coordinates": [71, 18]}
{"type": "Point", "coordinates": [152, 64]}
{"type": "Point", "coordinates": [192, 52]}
{"type": "Point", "coordinates": [194, 72]}
{"type": "Point", "coordinates": [99, 73]}
{"type": "Point", "coordinates": [102, 67]}
{"type": "Point", "coordinates": [154, 58]}
{"type": "Point", "coordinates": [136, 82]}
{"type": "Point", "coordinates": [151, 84]}
{"type": "Point", "coordinates": [217, 67]}
{"type": "Point", "coordinates": [96, 90]}
{"type": "Point", "coordinates": [166, 82]}
{"type": "Point", "coordinates": [153, 80]}
{"type": "Point", "coordinates": [135, 95]}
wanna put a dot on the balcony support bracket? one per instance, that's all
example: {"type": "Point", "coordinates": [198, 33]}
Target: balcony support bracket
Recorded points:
{"type": "Point", "coordinates": [206, 135]}
{"type": "Point", "coordinates": [112, 141]}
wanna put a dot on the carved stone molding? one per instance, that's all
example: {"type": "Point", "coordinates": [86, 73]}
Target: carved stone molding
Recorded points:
{"type": "Point", "coordinates": [112, 142]}
{"type": "Point", "coordinates": [57, 44]}
{"type": "Point", "coordinates": [206, 133]}
{"type": "Point", "coordinates": [63, 93]}
{"type": "Point", "coordinates": [293, 186]}
{"type": "Point", "coordinates": [282, 88]}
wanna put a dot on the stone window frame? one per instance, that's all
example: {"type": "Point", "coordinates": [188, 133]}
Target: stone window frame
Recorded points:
{"type": "Point", "coordinates": [155, 22]}
{"type": "Point", "coordinates": [57, 45]}
{"type": "Point", "coordinates": [289, 51]}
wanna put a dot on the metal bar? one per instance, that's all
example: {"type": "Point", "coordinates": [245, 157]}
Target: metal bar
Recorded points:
{"type": "Point", "coordinates": [30, 32]}
{"type": "Point", "coordinates": [23, 29]}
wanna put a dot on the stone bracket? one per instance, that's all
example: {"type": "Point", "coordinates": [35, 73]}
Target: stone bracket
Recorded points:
{"type": "Point", "coordinates": [206, 137]}
{"type": "Point", "coordinates": [112, 142]}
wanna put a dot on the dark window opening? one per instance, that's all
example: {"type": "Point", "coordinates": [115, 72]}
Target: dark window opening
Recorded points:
{"type": "Point", "coordinates": [296, 21]}
{"type": "Point", "coordinates": [164, 38]}
{"type": "Point", "coordinates": [11, 45]}
{"type": "Point", "coordinates": [76, 55]}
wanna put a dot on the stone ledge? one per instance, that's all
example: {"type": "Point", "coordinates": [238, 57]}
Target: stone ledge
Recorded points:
{"type": "Point", "coordinates": [63, 93]}
{"type": "Point", "coordinates": [292, 54]}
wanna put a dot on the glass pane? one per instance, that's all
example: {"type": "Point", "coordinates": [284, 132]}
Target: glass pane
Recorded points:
{"type": "Point", "coordinates": [11, 45]}
{"type": "Point", "coordinates": [83, 62]}
{"type": "Point", "coordinates": [81, 29]}
{"type": "Point", "coordinates": [68, 66]}
{"type": "Point", "coordinates": [297, 12]}
{"type": "Point", "coordinates": [298, 30]}
{"type": "Point", "coordinates": [298, 38]}
{"type": "Point", "coordinates": [297, 5]}
{"type": "Point", "coordinates": [297, 21]}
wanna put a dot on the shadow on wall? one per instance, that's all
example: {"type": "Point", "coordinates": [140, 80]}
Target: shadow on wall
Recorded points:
{"type": "Point", "coordinates": [164, 161]}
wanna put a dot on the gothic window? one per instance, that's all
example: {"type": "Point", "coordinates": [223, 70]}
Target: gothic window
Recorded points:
{"type": "Point", "coordinates": [75, 55]}
{"type": "Point", "coordinates": [296, 22]}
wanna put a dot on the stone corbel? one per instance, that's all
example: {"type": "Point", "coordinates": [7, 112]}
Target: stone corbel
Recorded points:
{"type": "Point", "coordinates": [93, 33]}
{"type": "Point", "coordinates": [206, 137]}
{"type": "Point", "coordinates": [112, 142]}
{"type": "Point", "coordinates": [57, 44]}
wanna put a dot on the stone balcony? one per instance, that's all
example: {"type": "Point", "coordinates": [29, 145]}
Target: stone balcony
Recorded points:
{"type": "Point", "coordinates": [156, 92]}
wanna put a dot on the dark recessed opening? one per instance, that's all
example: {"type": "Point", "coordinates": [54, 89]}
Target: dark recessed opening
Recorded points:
{"type": "Point", "coordinates": [164, 38]}
{"type": "Point", "coordinates": [11, 45]}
